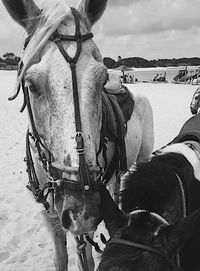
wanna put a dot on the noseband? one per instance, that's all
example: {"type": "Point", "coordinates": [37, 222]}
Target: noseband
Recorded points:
{"type": "Point", "coordinates": [85, 175]}
{"type": "Point", "coordinates": [170, 261]}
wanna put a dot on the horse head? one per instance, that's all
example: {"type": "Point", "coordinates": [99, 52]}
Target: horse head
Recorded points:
{"type": "Point", "coordinates": [146, 242]}
{"type": "Point", "coordinates": [62, 76]}
{"type": "Point", "coordinates": [154, 227]}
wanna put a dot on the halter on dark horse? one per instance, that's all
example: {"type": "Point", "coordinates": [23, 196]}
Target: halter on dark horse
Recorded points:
{"type": "Point", "coordinates": [174, 265]}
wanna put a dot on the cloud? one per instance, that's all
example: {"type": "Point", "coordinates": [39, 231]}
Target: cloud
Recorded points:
{"type": "Point", "coordinates": [121, 2]}
{"type": "Point", "coordinates": [151, 29]}
{"type": "Point", "coordinates": [151, 16]}
{"type": "Point", "coordinates": [146, 28]}
{"type": "Point", "coordinates": [168, 44]}
{"type": "Point", "coordinates": [11, 34]}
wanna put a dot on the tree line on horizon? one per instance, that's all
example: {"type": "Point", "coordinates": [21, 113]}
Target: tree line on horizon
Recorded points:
{"type": "Point", "coordinates": [139, 62]}
{"type": "Point", "coordinates": [11, 60]}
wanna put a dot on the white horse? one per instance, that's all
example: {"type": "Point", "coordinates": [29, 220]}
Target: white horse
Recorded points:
{"type": "Point", "coordinates": [62, 76]}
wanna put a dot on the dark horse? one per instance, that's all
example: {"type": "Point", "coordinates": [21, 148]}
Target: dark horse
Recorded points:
{"type": "Point", "coordinates": [159, 228]}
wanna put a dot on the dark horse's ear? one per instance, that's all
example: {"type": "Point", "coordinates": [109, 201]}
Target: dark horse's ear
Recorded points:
{"type": "Point", "coordinates": [113, 217]}
{"type": "Point", "coordinates": [93, 9]}
{"type": "Point", "coordinates": [24, 12]}
{"type": "Point", "coordinates": [175, 236]}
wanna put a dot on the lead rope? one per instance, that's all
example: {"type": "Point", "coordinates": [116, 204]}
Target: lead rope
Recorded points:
{"type": "Point", "coordinates": [82, 257]}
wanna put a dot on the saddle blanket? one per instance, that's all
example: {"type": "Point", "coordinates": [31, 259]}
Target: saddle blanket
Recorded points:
{"type": "Point", "coordinates": [190, 135]}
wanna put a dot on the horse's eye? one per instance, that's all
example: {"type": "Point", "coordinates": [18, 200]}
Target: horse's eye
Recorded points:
{"type": "Point", "coordinates": [32, 88]}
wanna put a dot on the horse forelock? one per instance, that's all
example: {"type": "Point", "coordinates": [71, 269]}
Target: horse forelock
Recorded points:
{"type": "Point", "coordinates": [52, 15]}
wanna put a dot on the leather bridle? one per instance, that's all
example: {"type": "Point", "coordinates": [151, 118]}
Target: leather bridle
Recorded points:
{"type": "Point", "coordinates": [86, 175]}
{"type": "Point", "coordinates": [173, 263]}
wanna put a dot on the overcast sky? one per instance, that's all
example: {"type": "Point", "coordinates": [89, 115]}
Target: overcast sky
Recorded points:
{"type": "Point", "coordinates": [146, 28]}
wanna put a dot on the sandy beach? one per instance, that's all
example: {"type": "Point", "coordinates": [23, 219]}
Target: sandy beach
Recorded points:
{"type": "Point", "coordinates": [25, 244]}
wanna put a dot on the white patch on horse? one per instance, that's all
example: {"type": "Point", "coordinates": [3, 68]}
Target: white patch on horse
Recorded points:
{"type": "Point", "coordinates": [189, 154]}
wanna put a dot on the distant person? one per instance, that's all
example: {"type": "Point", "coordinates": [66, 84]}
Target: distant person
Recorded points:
{"type": "Point", "coordinates": [160, 77]}
{"type": "Point", "coordinates": [164, 77]}
{"type": "Point", "coordinates": [121, 79]}
{"type": "Point", "coordinates": [182, 73]}
{"type": "Point", "coordinates": [186, 70]}
{"type": "Point", "coordinates": [131, 79]}
{"type": "Point", "coordinates": [156, 77]}
{"type": "Point", "coordinates": [125, 78]}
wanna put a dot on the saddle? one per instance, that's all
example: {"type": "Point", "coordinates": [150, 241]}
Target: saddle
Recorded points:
{"type": "Point", "coordinates": [190, 135]}
{"type": "Point", "coordinates": [117, 108]}
{"type": "Point", "coordinates": [189, 131]}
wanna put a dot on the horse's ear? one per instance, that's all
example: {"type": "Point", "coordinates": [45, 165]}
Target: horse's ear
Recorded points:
{"type": "Point", "coordinates": [24, 12]}
{"type": "Point", "coordinates": [175, 236]}
{"type": "Point", "coordinates": [93, 9]}
{"type": "Point", "coordinates": [113, 217]}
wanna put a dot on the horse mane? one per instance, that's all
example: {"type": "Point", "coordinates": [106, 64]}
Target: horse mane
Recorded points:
{"type": "Point", "coordinates": [53, 12]}
{"type": "Point", "coordinates": [151, 185]}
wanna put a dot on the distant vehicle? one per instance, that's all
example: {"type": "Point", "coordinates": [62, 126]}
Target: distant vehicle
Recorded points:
{"type": "Point", "coordinates": [183, 76]}
{"type": "Point", "coordinates": [160, 78]}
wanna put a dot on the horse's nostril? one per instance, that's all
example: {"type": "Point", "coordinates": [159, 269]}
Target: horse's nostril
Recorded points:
{"type": "Point", "coordinates": [66, 220]}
